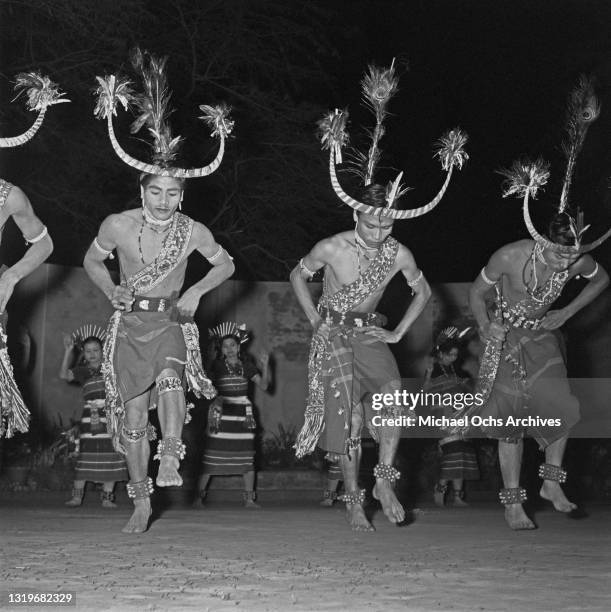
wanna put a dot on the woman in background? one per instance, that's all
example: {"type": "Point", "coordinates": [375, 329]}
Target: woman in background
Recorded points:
{"type": "Point", "coordinates": [97, 461]}
{"type": "Point", "coordinates": [458, 459]}
{"type": "Point", "coordinates": [230, 439]}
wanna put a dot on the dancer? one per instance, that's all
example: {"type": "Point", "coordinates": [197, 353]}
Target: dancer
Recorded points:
{"type": "Point", "coordinates": [97, 461]}
{"type": "Point", "coordinates": [152, 342]}
{"type": "Point", "coordinates": [349, 355]}
{"type": "Point", "coordinates": [41, 93]}
{"type": "Point", "coordinates": [230, 439]}
{"type": "Point", "coordinates": [523, 375]}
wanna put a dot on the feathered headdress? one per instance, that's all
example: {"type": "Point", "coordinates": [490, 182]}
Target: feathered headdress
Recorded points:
{"type": "Point", "coordinates": [41, 92]}
{"type": "Point", "coordinates": [450, 333]}
{"type": "Point", "coordinates": [88, 330]}
{"type": "Point", "coordinates": [378, 86]}
{"type": "Point", "coordinates": [229, 328]}
{"type": "Point", "coordinates": [153, 107]}
{"type": "Point", "coordinates": [524, 178]}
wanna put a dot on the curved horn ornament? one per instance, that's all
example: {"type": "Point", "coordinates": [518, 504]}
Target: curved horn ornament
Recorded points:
{"type": "Point", "coordinates": [113, 90]}
{"type": "Point", "coordinates": [41, 93]}
{"type": "Point", "coordinates": [524, 179]}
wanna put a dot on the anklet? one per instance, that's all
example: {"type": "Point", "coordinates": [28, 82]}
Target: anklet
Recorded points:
{"type": "Point", "coordinates": [386, 472]}
{"type": "Point", "coordinates": [356, 498]}
{"type": "Point", "coordinates": [140, 489]}
{"type": "Point", "coordinates": [516, 495]}
{"type": "Point", "coordinates": [548, 471]}
{"type": "Point", "coordinates": [171, 446]}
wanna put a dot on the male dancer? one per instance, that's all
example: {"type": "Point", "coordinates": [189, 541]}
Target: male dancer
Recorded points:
{"type": "Point", "coordinates": [523, 375]}
{"type": "Point", "coordinates": [152, 342]}
{"type": "Point", "coordinates": [41, 93]}
{"type": "Point", "coordinates": [349, 356]}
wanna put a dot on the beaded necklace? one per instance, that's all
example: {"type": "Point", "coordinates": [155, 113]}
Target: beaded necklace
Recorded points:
{"type": "Point", "coordinates": [238, 371]}
{"type": "Point", "coordinates": [145, 221]}
{"type": "Point", "coordinates": [361, 249]}
{"type": "Point", "coordinates": [541, 294]}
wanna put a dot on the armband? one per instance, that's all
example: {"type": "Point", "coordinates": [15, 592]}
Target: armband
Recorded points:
{"type": "Point", "coordinates": [220, 251]}
{"type": "Point", "coordinates": [106, 252]}
{"type": "Point", "coordinates": [593, 273]}
{"type": "Point", "coordinates": [416, 280]}
{"type": "Point", "coordinates": [485, 277]}
{"type": "Point", "coordinates": [38, 238]}
{"type": "Point", "coordinates": [303, 268]}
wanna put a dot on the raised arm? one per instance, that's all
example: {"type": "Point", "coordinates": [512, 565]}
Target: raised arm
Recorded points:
{"type": "Point", "coordinates": [35, 233]}
{"type": "Point", "coordinates": [263, 379]}
{"type": "Point", "coordinates": [102, 246]}
{"type": "Point", "coordinates": [65, 373]}
{"type": "Point", "coordinates": [222, 269]}
{"type": "Point", "coordinates": [318, 257]}
{"type": "Point", "coordinates": [598, 280]}
{"type": "Point", "coordinates": [490, 274]}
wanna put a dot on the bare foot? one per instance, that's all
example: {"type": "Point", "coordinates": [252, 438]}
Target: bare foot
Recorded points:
{"type": "Point", "coordinates": [459, 502]}
{"type": "Point", "coordinates": [139, 520]}
{"type": "Point", "coordinates": [552, 491]}
{"type": "Point", "coordinates": [355, 515]}
{"type": "Point", "coordinates": [107, 503]}
{"type": "Point", "coordinates": [168, 475]}
{"type": "Point", "coordinates": [249, 503]}
{"type": "Point", "coordinates": [327, 502]}
{"type": "Point", "coordinates": [516, 517]}
{"type": "Point", "coordinates": [383, 492]}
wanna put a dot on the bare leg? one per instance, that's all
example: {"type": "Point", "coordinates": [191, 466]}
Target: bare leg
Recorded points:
{"type": "Point", "coordinates": [383, 489]}
{"type": "Point", "coordinates": [202, 484]}
{"type": "Point", "coordinates": [350, 463]}
{"type": "Point", "coordinates": [78, 491]}
{"type": "Point", "coordinates": [459, 493]}
{"type": "Point", "coordinates": [249, 489]}
{"type": "Point", "coordinates": [439, 494]}
{"type": "Point", "coordinates": [107, 494]}
{"type": "Point", "coordinates": [330, 492]}
{"type": "Point", "coordinates": [171, 410]}
{"type": "Point", "coordinates": [202, 490]}
{"type": "Point", "coordinates": [137, 458]}
{"type": "Point", "coordinates": [355, 515]}
{"type": "Point", "coordinates": [510, 458]}
{"type": "Point", "coordinates": [551, 489]}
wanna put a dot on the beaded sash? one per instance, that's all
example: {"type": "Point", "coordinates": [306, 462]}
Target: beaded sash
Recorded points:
{"type": "Point", "coordinates": [171, 255]}
{"type": "Point", "coordinates": [352, 294]}
{"type": "Point", "coordinates": [342, 301]}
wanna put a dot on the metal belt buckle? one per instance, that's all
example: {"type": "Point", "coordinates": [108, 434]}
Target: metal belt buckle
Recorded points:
{"type": "Point", "coordinates": [161, 306]}
{"type": "Point", "coordinates": [143, 304]}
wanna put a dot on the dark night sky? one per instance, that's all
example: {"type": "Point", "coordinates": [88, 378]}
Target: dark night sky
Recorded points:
{"type": "Point", "coordinates": [502, 71]}
{"type": "Point", "coordinates": [499, 69]}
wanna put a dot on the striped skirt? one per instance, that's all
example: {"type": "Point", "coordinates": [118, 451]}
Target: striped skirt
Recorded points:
{"type": "Point", "coordinates": [231, 449]}
{"type": "Point", "coordinates": [99, 462]}
{"type": "Point", "coordinates": [458, 461]}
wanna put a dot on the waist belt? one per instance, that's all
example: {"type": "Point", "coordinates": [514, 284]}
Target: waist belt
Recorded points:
{"type": "Point", "coordinates": [147, 304]}
{"type": "Point", "coordinates": [352, 319]}
{"type": "Point", "coordinates": [522, 321]}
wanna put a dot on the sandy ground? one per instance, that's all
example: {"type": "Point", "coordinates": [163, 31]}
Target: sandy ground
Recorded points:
{"type": "Point", "coordinates": [304, 559]}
